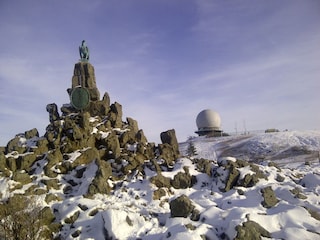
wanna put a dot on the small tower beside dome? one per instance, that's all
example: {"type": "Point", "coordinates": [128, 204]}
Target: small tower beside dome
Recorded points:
{"type": "Point", "coordinates": [209, 123]}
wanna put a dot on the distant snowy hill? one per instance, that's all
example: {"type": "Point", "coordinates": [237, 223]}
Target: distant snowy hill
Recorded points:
{"type": "Point", "coordinates": [219, 193]}
{"type": "Point", "coordinates": [280, 147]}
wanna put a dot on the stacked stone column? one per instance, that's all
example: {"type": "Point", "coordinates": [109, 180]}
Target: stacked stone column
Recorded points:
{"type": "Point", "coordinates": [83, 75]}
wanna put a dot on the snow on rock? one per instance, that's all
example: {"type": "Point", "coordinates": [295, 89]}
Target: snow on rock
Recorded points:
{"type": "Point", "coordinates": [310, 180]}
{"type": "Point", "coordinates": [121, 224]}
{"type": "Point", "coordinates": [131, 210]}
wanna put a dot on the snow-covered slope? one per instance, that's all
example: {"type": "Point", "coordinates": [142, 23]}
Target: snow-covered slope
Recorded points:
{"type": "Point", "coordinates": [281, 147]}
{"type": "Point", "coordinates": [131, 210]}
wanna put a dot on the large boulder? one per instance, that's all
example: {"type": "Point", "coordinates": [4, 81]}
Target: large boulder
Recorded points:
{"type": "Point", "coordinates": [53, 158]}
{"type": "Point", "coordinates": [183, 180]}
{"type": "Point", "coordinates": [132, 125]}
{"type": "Point", "coordinates": [100, 108]}
{"type": "Point", "coordinates": [141, 138]}
{"type": "Point", "coordinates": [113, 146]}
{"type": "Point", "coordinates": [128, 137]}
{"type": "Point", "coordinates": [25, 161]}
{"type": "Point", "coordinates": [99, 183]}
{"type": "Point", "coordinates": [31, 133]}
{"type": "Point", "coordinates": [161, 181]}
{"type": "Point", "coordinates": [116, 115]}
{"type": "Point", "coordinates": [53, 134]}
{"type": "Point", "coordinates": [21, 177]}
{"type": "Point", "coordinates": [87, 156]}
{"type": "Point", "coordinates": [181, 207]}
{"type": "Point", "coordinates": [232, 179]}
{"type": "Point", "coordinates": [167, 153]}
{"type": "Point", "coordinates": [251, 230]}
{"type": "Point", "coordinates": [41, 146]}
{"type": "Point", "coordinates": [150, 149]}
{"type": "Point", "coordinates": [11, 163]}
{"type": "Point", "coordinates": [169, 149]}
{"type": "Point", "coordinates": [15, 145]}
{"type": "Point", "coordinates": [204, 165]}
{"type": "Point", "coordinates": [269, 197]}
{"type": "Point", "coordinates": [170, 138]}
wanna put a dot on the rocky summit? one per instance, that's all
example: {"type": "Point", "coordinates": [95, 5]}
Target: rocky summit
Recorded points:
{"type": "Point", "coordinates": [93, 175]}
{"type": "Point", "coordinates": [56, 166]}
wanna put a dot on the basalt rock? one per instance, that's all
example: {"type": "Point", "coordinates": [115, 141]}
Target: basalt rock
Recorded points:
{"type": "Point", "coordinates": [113, 146]}
{"type": "Point", "coordinates": [160, 181]}
{"type": "Point", "coordinates": [73, 218]}
{"type": "Point", "coordinates": [204, 165]}
{"type": "Point", "coordinates": [158, 194]}
{"type": "Point", "coordinates": [52, 197]}
{"type": "Point", "coordinates": [116, 115]}
{"type": "Point", "coordinates": [83, 75]}
{"type": "Point", "coordinates": [11, 163]}
{"type": "Point", "coordinates": [132, 125]}
{"type": "Point", "coordinates": [31, 133]}
{"type": "Point", "coordinates": [3, 164]}
{"type": "Point", "coordinates": [128, 137]}
{"type": "Point", "coordinates": [233, 177]}
{"type": "Point", "coordinates": [251, 179]}
{"type": "Point", "coordinates": [53, 134]}
{"type": "Point", "coordinates": [21, 177]}
{"type": "Point", "coordinates": [84, 122]}
{"type": "Point", "coordinates": [149, 151]}
{"type": "Point", "coordinates": [41, 146]}
{"type": "Point", "coordinates": [183, 180]}
{"type": "Point", "coordinates": [251, 230]}
{"type": "Point", "coordinates": [25, 161]}
{"type": "Point", "coordinates": [170, 138]}
{"type": "Point", "coordinates": [52, 109]}
{"type": "Point", "coordinates": [100, 108]}
{"type": "Point", "coordinates": [2, 149]}
{"type": "Point", "coordinates": [141, 138]}
{"type": "Point", "coordinates": [53, 158]}
{"type": "Point", "coordinates": [51, 183]}
{"type": "Point", "coordinates": [248, 180]}
{"type": "Point", "coordinates": [99, 183]}
{"type": "Point", "coordinates": [269, 197]}
{"type": "Point", "coordinates": [87, 156]}
{"type": "Point", "coordinates": [15, 145]}
{"type": "Point", "coordinates": [181, 207]}
{"type": "Point", "coordinates": [167, 153]}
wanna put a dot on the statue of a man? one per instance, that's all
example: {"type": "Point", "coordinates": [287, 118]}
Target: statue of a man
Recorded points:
{"type": "Point", "coordinates": [84, 51]}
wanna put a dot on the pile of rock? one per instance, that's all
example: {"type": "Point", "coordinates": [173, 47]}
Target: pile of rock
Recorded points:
{"type": "Point", "coordinates": [76, 140]}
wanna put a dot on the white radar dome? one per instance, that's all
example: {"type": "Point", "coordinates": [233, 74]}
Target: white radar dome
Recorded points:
{"type": "Point", "coordinates": [208, 120]}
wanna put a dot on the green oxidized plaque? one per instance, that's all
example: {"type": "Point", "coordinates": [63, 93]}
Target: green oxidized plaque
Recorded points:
{"type": "Point", "coordinates": [80, 98]}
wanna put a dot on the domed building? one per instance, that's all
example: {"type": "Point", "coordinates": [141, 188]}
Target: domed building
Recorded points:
{"type": "Point", "coordinates": [208, 123]}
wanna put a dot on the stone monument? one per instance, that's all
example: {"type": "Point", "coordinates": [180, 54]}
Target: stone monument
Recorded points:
{"type": "Point", "coordinates": [83, 74]}
{"type": "Point", "coordinates": [84, 94]}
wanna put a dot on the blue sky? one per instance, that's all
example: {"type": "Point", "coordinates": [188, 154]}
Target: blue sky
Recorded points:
{"type": "Point", "coordinates": [257, 63]}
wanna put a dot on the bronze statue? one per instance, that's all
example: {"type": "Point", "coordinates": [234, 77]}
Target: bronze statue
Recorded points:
{"type": "Point", "coordinates": [84, 51]}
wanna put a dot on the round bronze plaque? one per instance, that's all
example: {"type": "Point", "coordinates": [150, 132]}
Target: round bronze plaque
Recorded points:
{"type": "Point", "coordinates": [80, 98]}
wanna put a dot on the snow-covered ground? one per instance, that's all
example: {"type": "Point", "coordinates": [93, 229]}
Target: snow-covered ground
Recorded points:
{"type": "Point", "coordinates": [130, 212]}
{"type": "Point", "coordinates": [281, 147]}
